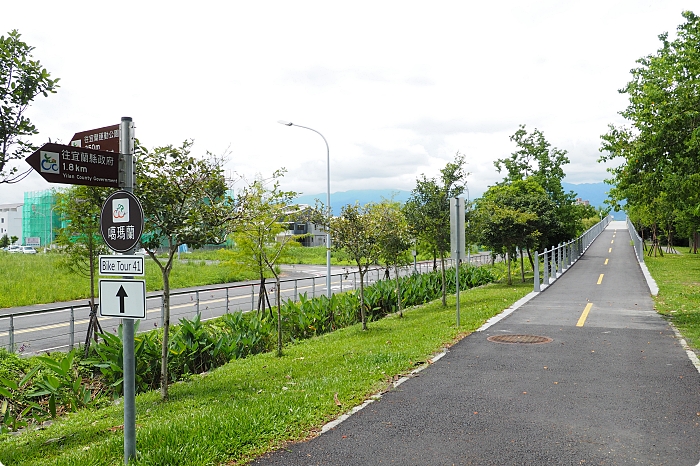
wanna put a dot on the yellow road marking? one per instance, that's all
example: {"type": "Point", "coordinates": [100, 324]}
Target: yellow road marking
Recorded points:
{"type": "Point", "coordinates": [612, 241]}
{"type": "Point", "coordinates": [609, 250]}
{"type": "Point", "coordinates": [606, 262]}
{"type": "Point", "coordinates": [613, 235]}
{"type": "Point", "coordinates": [584, 316]}
{"type": "Point", "coordinates": [600, 279]}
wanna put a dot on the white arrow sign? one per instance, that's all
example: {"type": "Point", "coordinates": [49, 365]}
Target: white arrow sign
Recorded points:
{"type": "Point", "coordinates": [123, 298]}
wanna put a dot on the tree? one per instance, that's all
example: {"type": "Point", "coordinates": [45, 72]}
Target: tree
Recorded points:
{"type": "Point", "coordinates": [394, 240]}
{"type": "Point", "coordinates": [79, 208]}
{"type": "Point", "coordinates": [4, 241]}
{"type": "Point", "coordinates": [660, 145]}
{"type": "Point", "coordinates": [428, 209]}
{"type": "Point", "coordinates": [259, 239]}
{"type": "Point", "coordinates": [184, 201]}
{"type": "Point", "coordinates": [512, 216]}
{"type": "Point", "coordinates": [356, 232]}
{"type": "Point", "coordinates": [22, 79]}
{"type": "Point", "coordinates": [13, 239]}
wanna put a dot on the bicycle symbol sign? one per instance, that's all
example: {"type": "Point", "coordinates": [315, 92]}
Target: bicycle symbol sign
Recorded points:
{"type": "Point", "coordinates": [121, 221]}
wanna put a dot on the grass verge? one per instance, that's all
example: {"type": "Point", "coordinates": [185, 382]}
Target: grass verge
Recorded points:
{"type": "Point", "coordinates": [254, 405]}
{"type": "Point", "coordinates": [678, 278]}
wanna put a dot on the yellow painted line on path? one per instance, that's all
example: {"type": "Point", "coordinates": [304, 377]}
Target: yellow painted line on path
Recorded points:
{"type": "Point", "coordinates": [606, 262]}
{"type": "Point", "coordinates": [600, 279]}
{"type": "Point", "coordinates": [612, 241]}
{"type": "Point", "coordinates": [584, 316]}
{"type": "Point", "coordinates": [609, 250]}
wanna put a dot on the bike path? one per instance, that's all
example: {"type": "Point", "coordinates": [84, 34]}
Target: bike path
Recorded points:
{"type": "Point", "coordinates": [613, 387]}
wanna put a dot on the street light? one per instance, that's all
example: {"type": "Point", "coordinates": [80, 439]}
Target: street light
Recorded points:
{"type": "Point", "coordinates": [328, 205]}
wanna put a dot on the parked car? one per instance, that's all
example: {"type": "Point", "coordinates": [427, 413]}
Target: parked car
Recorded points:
{"type": "Point", "coordinates": [27, 250]}
{"type": "Point", "coordinates": [13, 248]}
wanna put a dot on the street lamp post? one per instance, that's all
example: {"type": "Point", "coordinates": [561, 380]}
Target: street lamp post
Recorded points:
{"type": "Point", "coordinates": [328, 204]}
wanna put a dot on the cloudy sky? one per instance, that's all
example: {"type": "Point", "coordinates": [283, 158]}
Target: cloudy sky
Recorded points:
{"type": "Point", "coordinates": [396, 87]}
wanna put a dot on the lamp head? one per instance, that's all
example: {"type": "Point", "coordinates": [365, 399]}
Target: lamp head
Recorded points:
{"type": "Point", "coordinates": [285, 123]}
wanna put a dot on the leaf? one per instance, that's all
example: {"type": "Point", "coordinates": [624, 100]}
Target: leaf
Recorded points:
{"type": "Point", "coordinates": [337, 401]}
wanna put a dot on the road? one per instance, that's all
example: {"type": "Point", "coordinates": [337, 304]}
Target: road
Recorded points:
{"type": "Point", "coordinates": [609, 384]}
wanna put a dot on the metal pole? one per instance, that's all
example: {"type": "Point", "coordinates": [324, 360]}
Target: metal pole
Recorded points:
{"type": "Point", "coordinates": [313, 287]}
{"type": "Point", "coordinates": [537, 272]}
{"type": "Point", "coordinates": [11, 348]}
{"type": "Point", "coordinates": [72, 328]}
{"type": "Point", "coordinates": [545, 268]}
{"type": "Point", "coordinates": [295, 290]}
{"type": "Point", "coordinates": [126, 150]}
{"type": "Point", "coordinates": [162, 310]}
{"type": "Point", "coordinates": [227, 300]}
{"type": "Point", "coordinates": [199, 314]}
{"type": "Point", "coordinates": [252, 297]}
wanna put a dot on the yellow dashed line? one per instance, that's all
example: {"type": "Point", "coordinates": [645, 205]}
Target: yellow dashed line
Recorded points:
{"type": "Point", "coordinates": [600, 279]}
{"type": "Point", "coordinates": [609, 250]}
{"type": "Point", "coordinates": [606, 262]}
{"type": "Point", "coordinates": [612, 241]}
{"type": "Point", "coordinates": [584, 316]}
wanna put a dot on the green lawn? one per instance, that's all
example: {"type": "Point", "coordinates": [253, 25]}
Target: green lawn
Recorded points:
{"type": "Point", "coordinates": [254, 405]}
{"type": "Point", "coordinates": [678, 278]}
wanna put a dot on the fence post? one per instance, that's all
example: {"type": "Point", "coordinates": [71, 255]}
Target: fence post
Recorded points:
{"type": "Point", "coordinates": [11, 348]}
{"type": "Point", "coordinates": [295, 290]}
{"type": "Point", "coordinates": [252, 297]}
{"type": "Point", "coordinates": [313, 287]}
{"type": "Point", "coordinates": [545, 268]}
{"type": "Point", "coordinates": [227, 300]}
{"type": "Point", "coordinates": [553, 265]}
{"type": "Point", "coordinates": [162, 310]}
{"type": "Point", "coordinates": [537, 272]}
{"type": "Point", "coordinates": [72, 328]}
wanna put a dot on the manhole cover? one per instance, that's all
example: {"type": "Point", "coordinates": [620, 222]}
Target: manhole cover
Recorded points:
{"type": "Point", "coordinates": [520, 339]}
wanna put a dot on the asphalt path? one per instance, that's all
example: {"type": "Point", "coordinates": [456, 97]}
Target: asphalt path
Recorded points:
{"type": "Point", "coordinates": [613, 387]}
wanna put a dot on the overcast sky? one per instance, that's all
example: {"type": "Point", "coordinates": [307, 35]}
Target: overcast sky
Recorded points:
{"type": "Point", "coordinates": [397, 88]}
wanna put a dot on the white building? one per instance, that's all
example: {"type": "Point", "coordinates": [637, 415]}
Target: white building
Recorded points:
{"type": "Point", "coordinates": [11, 221]}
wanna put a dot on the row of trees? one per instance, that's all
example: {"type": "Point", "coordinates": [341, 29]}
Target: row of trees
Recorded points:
{"type": "Point", "coordinates": [658, 148]}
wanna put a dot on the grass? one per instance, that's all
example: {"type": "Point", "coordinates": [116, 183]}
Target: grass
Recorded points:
{"type": "Point", "coordinates": [37, 278]}
{"type": "Point", "coordinates": [678, 278]}
{"type": "Point", "coordinates": [254, 405]}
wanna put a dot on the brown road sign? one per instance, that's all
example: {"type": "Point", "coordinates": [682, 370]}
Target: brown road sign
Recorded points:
{"type": "Point", "coordinates": [58, 163]}
{"type": "Point", "coordinates": [104, 139]}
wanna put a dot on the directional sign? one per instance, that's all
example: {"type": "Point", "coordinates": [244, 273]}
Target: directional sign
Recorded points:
{"type": "Point", "coordinates": [121, 221]}
{"type": "Point", "coordinates": [123, 298]}
{"type": "Point", "coordinates": [57, 163]}
{"type": "Point", "coordinates": [104, 139]}
{"type": "Point", "coordinates": [122, 265]}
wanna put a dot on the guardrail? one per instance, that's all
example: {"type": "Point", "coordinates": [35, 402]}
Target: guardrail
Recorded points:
{"type": "Point", "coordinates": [559, 258]}
{"type": "Point", "coordinates": [55, 328]}
{"type": "Point", "coordinates": [638, 243]}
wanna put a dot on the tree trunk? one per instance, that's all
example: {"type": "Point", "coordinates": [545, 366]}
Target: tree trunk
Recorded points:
{"type": "Point", "coordinates": [362, 298]}
{"type": "Point", "coordinates": [279, 315]}
{"type": "Point", "coordinates": [398, 290]}
{"type": "Point", "coordinates": [510, 279]}
{"type": "Point", "coordinates": [522, 266]}
{"type": "Point", "coordinates": [444, 285]}
{"type": "Point", "coordinates": [166, 334]}
{"type": "Point", "coordinates": [529, 256]}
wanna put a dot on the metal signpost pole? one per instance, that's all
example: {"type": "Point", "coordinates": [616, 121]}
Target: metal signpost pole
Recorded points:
{"type": "Point", "coordinates": [127, 154]}
{"type": "Point", "coordinates": [457, 238]}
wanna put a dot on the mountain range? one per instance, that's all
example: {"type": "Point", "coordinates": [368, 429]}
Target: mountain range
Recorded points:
{"type": "Point", "coordinates": [594, 193]}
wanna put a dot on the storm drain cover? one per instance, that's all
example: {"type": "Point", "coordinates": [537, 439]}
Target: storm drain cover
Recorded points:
{"type": "Point", "coordinates": [520, 339]}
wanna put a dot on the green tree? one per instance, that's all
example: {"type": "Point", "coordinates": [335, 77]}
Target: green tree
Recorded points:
{"type": "Point", "coordinates": [394, 240]}
{"type": "Point", "coordinates": [22, 79]}
{"type": "Point", "coordinates": [356, 232]}
{"type": "Point", "coordinates": [185, 201]}
{"type": "Point", "coordinates": [660, 144]}
{"type": "Point", "coordinates": [428, 209]}
{"type": "Point", "coordinates": [535, 159]}
{"type": "Point", "coordinates": [13, 239]}
{"type": "Point", "coordinates": [4, 241]}
{"type": "Point", "coordinates": [79, 209]}
{"type": "Point", "coordinates": [512, 216]}
{"type": "Point", "coordinates": [259, 237]}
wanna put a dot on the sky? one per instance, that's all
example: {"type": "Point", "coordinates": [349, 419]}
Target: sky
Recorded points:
{"type": "Point", "coordinates": [397, 88]}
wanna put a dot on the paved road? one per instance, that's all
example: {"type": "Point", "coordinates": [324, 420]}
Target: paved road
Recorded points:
{"type": "Point", "coordinates": [613, 387]}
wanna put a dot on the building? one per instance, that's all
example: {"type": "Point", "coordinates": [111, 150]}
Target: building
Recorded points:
{"type": "Point", "coordinates": [11, 221]}
{"type": "Point", "coordinates": [39, 220]}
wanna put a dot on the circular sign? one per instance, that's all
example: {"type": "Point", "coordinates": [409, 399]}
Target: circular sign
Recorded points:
{"type": "Point", "coordinates": [121, 221]}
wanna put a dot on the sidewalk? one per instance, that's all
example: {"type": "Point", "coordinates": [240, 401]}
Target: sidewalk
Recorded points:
{"type": "Point", "coordinates": [607, 383]}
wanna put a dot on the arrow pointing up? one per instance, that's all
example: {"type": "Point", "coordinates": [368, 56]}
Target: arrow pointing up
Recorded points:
{"type": "Point", "coordinates": [121, 294]}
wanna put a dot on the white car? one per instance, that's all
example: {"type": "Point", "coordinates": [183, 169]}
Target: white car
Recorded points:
{"type": "Point", "coordinates": [27, 250]}
{"type": "Point", "coordinates": [14, 248]}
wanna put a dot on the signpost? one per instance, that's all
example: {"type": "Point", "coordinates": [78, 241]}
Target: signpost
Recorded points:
{"type": "Point", "coordinates": [125, 299]}
{"type": "Point", "coordinates": [104, 139]}
{"type": "Point", "coordinates": [57, 163]}
{"type": "Point", "coordinates": [457, 238]}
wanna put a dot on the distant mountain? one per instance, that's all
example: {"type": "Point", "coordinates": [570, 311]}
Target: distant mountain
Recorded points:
{"type": "Point", "coordinates": [595, 193]}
